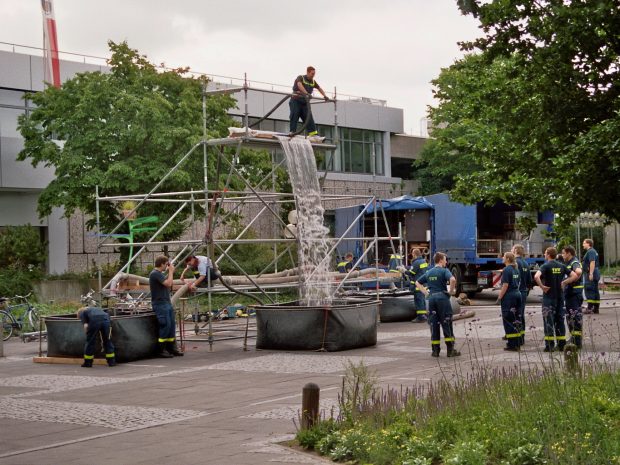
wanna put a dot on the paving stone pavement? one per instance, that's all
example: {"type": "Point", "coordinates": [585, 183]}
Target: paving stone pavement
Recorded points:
{"type": "Point", "coordinates": [230, 407]}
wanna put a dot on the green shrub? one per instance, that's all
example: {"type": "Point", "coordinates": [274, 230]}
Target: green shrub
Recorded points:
{"type": "Point", "coordinates": [17, 282]}
{"type": "Point", "coordinates": [529, 454]}
{"type": "Point", "coordinates": [21, 248]}
{"type": "Point", "coordinates": [467, 453]}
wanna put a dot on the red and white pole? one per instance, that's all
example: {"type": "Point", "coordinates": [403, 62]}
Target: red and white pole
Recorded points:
{"type": "Point", "coordinates": [50, 45]}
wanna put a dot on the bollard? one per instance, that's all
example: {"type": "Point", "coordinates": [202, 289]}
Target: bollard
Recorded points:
{"type": "Point", "coordinates": [571, 358]}
{"type": "Point", "coordinates": [309, 405]}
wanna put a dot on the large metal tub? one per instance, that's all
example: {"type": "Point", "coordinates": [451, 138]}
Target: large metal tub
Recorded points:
{"type": "Point", "coordinates": [134, 336]}
{"type": "Point", "coordinates": [345, 324]}
{"type": "Point", "coordinates": [395, 305]}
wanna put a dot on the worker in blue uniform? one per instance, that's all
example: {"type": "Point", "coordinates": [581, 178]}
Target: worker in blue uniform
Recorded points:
{"type": "Point", "coordinates": [96, 323]}
{"type": "Point", "coordinates": [440, 311]}
{"type": "Point", "coordinates": [573, 297]}
{"type": "Point", "coordinates": [160, 285]}
{"type": "Point", "coordinates": [395, 263]}
{"type": "Point", "coordinates": [525, 283]}
{"type": "Point", "coordinates": [551, 278]}
{"type": "Point", "coordinates": [300, 101]}
{"type": "Point", "coordinates": [418, 267]}
{"type": "Point", "coordinates": [510, 299]}
{"type": "Point", "coordinates": [346, 265]}
{"type": "Point", "coordinates": [591, 276]}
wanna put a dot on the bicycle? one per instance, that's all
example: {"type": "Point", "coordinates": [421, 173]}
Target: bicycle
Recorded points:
{"type": "Point", "coordinates": [14, 316]}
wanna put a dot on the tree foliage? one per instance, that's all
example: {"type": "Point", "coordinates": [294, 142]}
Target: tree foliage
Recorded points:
{"type": "Point", "coordinates": [123, 130]}
{"type": "Point", "coordinates": [531, 117]}
{"type": "Point", "coordinates": [21, 248]}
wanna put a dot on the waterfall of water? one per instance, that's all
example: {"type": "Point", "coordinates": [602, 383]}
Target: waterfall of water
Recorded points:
{"type": "Point", "coordinates": [312, 233]}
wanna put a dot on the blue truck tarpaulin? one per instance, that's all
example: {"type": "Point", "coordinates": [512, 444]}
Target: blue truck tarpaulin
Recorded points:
{"type": "Point", "coordinates": [404, 202]}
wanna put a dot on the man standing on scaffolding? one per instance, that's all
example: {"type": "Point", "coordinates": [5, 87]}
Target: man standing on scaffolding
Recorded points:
{"type": "Point", "coordinates": [300, 101]}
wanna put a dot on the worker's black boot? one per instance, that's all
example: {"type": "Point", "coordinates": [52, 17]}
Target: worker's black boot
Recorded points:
{"type": "Point", "coordinates": [595, 308]}
{"type": "Point", "coordinates": [111, 361]}
{"type": "Point", "coordinates": [88, 363]}
{"type": "Point", "coordinates": [161, 351]}
{"type": "Point", "coordinates": [452, 352]}
{"type": "Point", "coordinates": [172, 349]}
{"type": "Point", "coordinates": [435, 352]}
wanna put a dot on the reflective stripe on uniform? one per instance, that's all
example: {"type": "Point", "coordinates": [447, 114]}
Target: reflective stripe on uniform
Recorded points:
{"type": "Point", "coordinates": [423, 265]}
{"type": "Point", "coordinates": [313, 133]}
{"type": "Point", "coordinates": [513, 335]}
{"type": "Point", "coordinates": [560, 338]}
{"type": "Point", "coordinates": [522, 332]}
{"type": "Point", "coordinates": [435, 343]}
{"type": "Point", "coordinates": [549, 338]}
{"type": "Point", "coordinates": [89, 357]}
{"type": "Point", "coordinates": [592, 301]}
{"type": "Point", "coordinates": [578, 287]}
{"type": "Point", "coordinates": [575, 333]}
{"type": "Point", "coordinates": [448, 339]}
{"type": "Point", "coordinates": [109, 355]}
{"type": "Point", "coordinates": [313, 83]}
{"type": "Point", "coordinates": [422, 312]}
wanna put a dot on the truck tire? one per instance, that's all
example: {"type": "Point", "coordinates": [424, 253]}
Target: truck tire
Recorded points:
{"type": "Point", "coordinates": [457, 273]}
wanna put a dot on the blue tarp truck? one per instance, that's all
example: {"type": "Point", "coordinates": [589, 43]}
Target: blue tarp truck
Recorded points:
{"type": "Point", "coordinates": [474, 237]}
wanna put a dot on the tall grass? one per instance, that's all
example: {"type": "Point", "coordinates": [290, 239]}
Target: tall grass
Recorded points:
{"type": "Point", "coordinates": [490, 416]}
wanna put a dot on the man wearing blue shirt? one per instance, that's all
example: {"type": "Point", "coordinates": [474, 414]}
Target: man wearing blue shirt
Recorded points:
{"type": "Point", "coordinates": [510, 299]}
{"type": "Point", "coordinates": [439, 308]}
{"type": "Point", "coordinates": [573, 296]}
{"type": "Point", "coordinates": [416, 270]}
{"type": "Point", "coordinates": [591, 276]}
{"type": "Point", "coordinates": [550, 278]}
{"type": "Point", "coordinates": [160, 285]}
{"type": "Point", "coordinates": [525, 283]}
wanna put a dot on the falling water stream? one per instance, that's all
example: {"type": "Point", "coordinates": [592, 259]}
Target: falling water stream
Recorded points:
{"type": "Point", "coordinates": [311, 232]}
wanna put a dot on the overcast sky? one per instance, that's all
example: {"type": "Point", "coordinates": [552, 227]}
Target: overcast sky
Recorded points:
{"type": "Point", "coordinates": [383, 49]}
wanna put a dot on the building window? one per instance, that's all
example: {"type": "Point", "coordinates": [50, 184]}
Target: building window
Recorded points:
{"type": "Point", "coordinates": [356, 150]}
{"type": "Point", "coordinates": [12, 105]}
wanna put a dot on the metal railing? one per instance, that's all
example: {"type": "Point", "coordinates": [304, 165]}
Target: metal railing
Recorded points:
{"type": "Point", "coordinates": [218, 78]}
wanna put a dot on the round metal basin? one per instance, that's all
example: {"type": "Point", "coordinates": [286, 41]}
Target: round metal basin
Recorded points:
{"type": "Point", "coordinates": [395, 305]}
{"type": "Point", "coordinates": [134, 336]}
{"type": "Point", "coordinates": [345, 324]}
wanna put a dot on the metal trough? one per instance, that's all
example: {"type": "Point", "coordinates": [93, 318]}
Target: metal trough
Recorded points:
{"type": "Point", "coordinates": [345, 324]}
{"type": "Point", "coordinates": [134, 336]}
{"type": "Point", "coordinates": [395, 305]}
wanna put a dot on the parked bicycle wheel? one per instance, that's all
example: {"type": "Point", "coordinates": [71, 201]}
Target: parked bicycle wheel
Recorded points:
{"type": "Point", "coordinates": [7, 321]}
{"type": "Point", "coordinates": [33, 317]}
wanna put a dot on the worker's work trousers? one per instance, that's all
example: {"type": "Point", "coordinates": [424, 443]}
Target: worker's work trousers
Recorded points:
{"type": "Point", "coordinates": [300, 109]}
{"type": "Point", "coordinates": [165, 317]}
{"type": "Point", "coordinates": [553, 319]}
{"type": "Point", "coordinates": [590, 288]}
{"type": "Point", "coordinates": [524, 295]}
{"type": "Point", "coordinates": [205, 282]}
{"type": "Point", "coordinates": [420, 303]}
{"type": "Point", "coordinates": [440, 316]}
{"type": "Point", "coordinates": [574, 315]}
{"type": "Point", "coordinates": [99, 325]}
{"type": "Point", "coordinates": [511, 316]}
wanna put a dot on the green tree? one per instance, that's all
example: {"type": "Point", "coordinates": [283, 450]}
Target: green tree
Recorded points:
{"type": "Point", "coordinates": [21, 247]}
{"type": "Point", "coordinates": [541, 125]}
{"type": "Point", "coordinates": [122, 131]}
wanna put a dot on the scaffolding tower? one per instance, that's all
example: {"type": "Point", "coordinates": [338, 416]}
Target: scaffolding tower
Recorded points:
{"type": "Point", "coordinates": [218, 204]}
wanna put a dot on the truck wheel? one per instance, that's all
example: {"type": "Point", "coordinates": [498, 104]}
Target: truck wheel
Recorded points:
{"type": "Point", "coordinates": [456, 272]}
